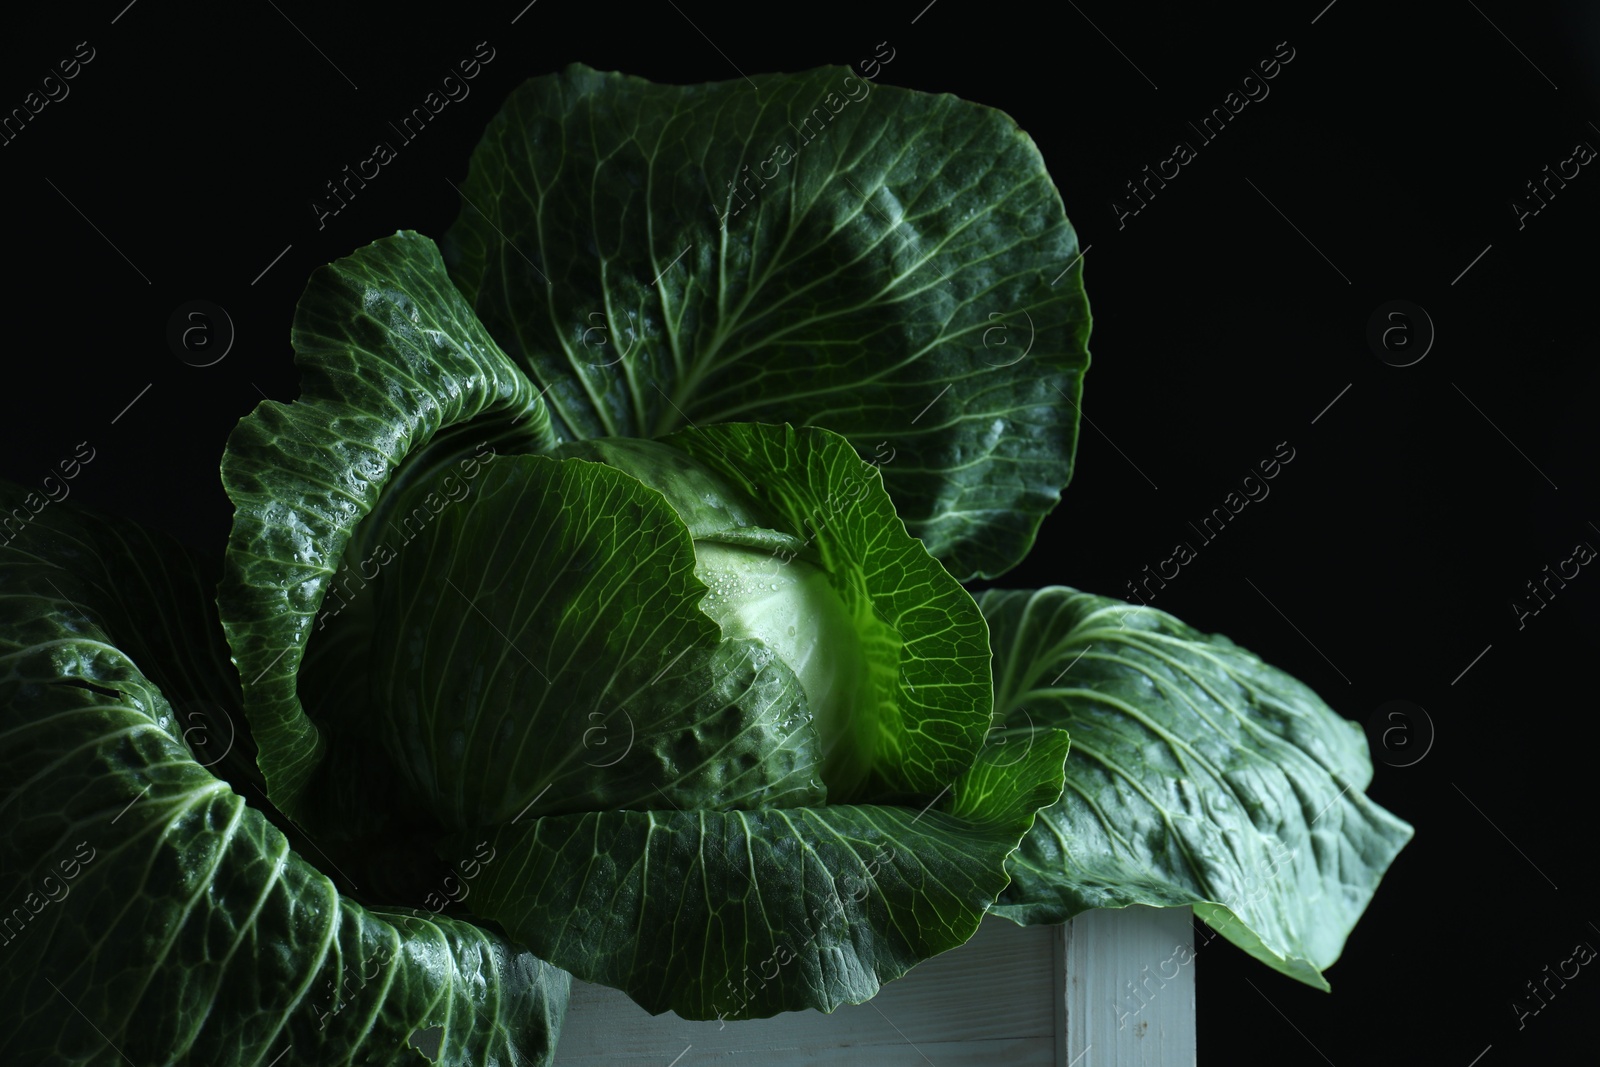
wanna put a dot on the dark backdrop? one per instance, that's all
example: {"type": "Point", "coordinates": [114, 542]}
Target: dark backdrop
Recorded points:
{"type": "Point", "coordinates": [1231, 315]}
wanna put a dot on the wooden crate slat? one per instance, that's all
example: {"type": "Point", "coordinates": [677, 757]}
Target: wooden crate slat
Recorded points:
{"type": "Point", "coordinates": [1038, 996]}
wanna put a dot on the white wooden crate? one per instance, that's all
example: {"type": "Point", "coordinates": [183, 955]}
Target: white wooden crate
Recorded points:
{"type": "Point", "coordinates": [1086, 994]}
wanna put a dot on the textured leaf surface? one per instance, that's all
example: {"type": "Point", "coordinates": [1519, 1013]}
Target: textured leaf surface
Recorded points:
{"type": "Point", "coordinates": [745, 914]}
{"type": "Point", "coordinates": [390, 355]}
{"type": "Point", "coordinates": [155, 917]}
{"type": "Point", "coordinates": [563, 601]}
{"type": "Point", "coordinates": [929, 709]}
{"type": "Point", "coordinates": [542, 649]}
{"type": "Point", "coordinates": [815, 249]}
{"type": "Point", "coordinates": [1199, 775]}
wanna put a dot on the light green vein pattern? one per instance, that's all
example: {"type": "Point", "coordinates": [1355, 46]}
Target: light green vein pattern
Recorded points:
{"type": "Point", "coordinates": [899, 269]}
{"type": "Point", "coordinates": [745, 914]}
{"type": "Point", "coordinates": [932, 708]}
{"type": "Point", "coordinates": [563, 664]}
{"type": "Point", "coordinates": [1199, 776]}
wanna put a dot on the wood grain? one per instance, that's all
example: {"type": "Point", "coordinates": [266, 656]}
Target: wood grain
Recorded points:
{"type": "Point", "coordinates": [1130, 988]}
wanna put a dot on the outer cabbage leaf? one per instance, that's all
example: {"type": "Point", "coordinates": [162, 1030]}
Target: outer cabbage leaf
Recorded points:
{"type": "Point", "coordinates": [805, 248]}
{"type": "Point", "coordinates": [744, 914]}
{"type": "Point", "coordinates": [155, 917]}
{"type": "Point", "coordinates": [390, 357]}
{"type": "Point", "coordinates": [1199, 776]}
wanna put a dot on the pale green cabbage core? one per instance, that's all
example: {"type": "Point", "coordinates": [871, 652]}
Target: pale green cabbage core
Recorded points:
{"type": "Point", "coordinates": [793, 609]}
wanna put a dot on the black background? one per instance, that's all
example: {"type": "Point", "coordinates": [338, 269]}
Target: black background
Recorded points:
{"type": "Point", "coordinates": [1417, 505]}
